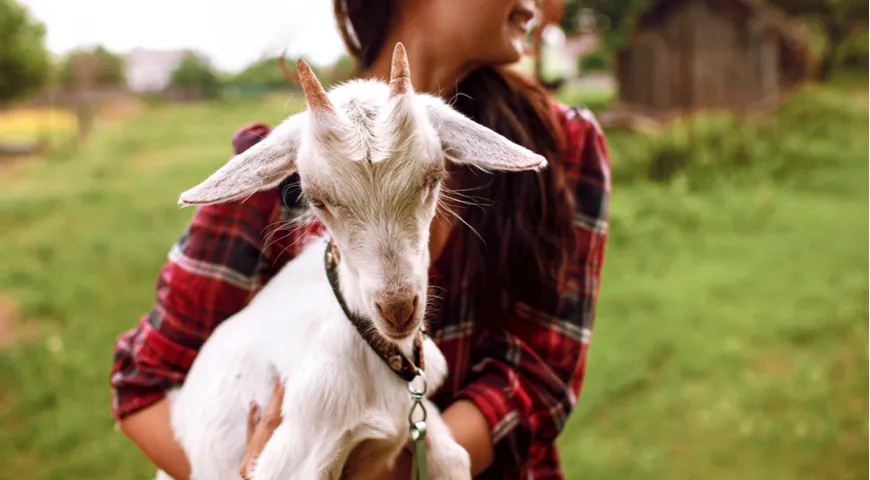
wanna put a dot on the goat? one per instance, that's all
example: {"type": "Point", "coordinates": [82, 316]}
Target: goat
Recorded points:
{"type": "Point", "coordinates": [370, 156]}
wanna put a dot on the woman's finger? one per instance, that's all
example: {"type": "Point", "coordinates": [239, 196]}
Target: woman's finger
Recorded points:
{"type": "Point", "coordinates": [252, 420]}
{"type": "Point", "coordinates": [273, 408]}
{"type": "Point", "coordinates": [260, 427]}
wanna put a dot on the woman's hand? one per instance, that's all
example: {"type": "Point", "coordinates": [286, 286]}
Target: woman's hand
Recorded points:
{"type": "Point", "coordinates": [465, 421]}
{"type": "Point", "coordinates": [260, 429]}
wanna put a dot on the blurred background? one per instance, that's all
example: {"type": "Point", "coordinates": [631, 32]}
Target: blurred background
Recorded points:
{"type": "Point", "coordinates": [731, 338]}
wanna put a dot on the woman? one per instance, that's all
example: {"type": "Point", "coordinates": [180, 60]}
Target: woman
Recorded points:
{"type": "Point", "coordinates": [519, 283]}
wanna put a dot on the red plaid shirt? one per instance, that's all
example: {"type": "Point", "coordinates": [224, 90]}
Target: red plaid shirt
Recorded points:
{"type": "Point", "coordinates": [525, 380]}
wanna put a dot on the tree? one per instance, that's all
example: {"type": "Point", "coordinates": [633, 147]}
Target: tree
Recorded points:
{"type": "Point", "coordinates": [621, 16]}
{"type": "Point", "coordinates": [269, 74]}
{"type": "Point", "coordinates": [342, 70]}
{"type": "Point", "coordinates": [265, 74]}
{"type": "Point", "coordinates": [195, 77]}
{"type": "Point", "coordinates": [570, 22]}
{"type": "Point", "coordinates": [24, 60]}
{"type": "Point", "coordinates": [106, 69]}
{"type": "Point", "coordinates": [839, 19]}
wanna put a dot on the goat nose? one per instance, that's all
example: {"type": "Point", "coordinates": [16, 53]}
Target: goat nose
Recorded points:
{"type": "Point", "coordinates": [397, 310]}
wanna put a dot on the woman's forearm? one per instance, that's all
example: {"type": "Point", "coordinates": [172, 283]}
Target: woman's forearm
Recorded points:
{"type": "Point", "coordinates": [151, 431]}
{"type": "Point", "coordinates": [469, 428]}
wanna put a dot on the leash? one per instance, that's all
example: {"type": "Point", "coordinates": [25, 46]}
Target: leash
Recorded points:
{"type": "Point", "coordinates": [417, 428]}
{"type": "Point", "coordinates": [410, 371]}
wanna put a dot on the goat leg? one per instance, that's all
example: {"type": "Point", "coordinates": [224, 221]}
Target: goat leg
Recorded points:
{"type": "Point", "coordinates": [446, 459]}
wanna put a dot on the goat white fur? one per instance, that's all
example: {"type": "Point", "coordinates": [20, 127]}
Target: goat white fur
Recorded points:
{"type": "Point", "coordinates": [370, 156]}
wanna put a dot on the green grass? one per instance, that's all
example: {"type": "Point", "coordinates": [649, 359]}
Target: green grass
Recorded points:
{"type": "Point", "coordinates": [730, 341]}
{"type": "Point", "coordinates": [595, 98]}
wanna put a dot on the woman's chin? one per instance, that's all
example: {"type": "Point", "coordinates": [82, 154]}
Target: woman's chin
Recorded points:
{"type": "Point", "coordinates": [518, 49]}
{"type": "Point", "coordinates": [516, 46]}
{"type": "Point", "coordinates": [511, 51]}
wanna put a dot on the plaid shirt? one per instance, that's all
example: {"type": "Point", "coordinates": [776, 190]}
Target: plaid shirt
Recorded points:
{"type": "Point", "coordinates": [525, 379]}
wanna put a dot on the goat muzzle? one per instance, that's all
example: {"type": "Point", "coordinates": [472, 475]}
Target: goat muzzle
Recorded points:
{"type": "Point", "coordinates": [397, 309]}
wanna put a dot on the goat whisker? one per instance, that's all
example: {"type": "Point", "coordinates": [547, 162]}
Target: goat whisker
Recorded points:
{"type": "Point", "coordinates": [466, 200]}
{"type": "Point", "coordinates": [289, 226]}
{"type": "Point", "coordinates": [458, 217]}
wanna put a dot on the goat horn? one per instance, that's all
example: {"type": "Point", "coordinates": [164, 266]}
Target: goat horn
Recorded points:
{"type": "Point", "coordinates": [315, 95]}
{"type": "Point", "coordinates": [400, 72]}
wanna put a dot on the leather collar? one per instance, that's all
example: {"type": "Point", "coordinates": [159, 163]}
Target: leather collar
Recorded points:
{"type": "Point", "coordinates": [387, 350]}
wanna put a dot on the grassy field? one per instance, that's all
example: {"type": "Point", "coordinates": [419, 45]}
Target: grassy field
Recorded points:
{"type": "Point", "coordinates": [731, 338]}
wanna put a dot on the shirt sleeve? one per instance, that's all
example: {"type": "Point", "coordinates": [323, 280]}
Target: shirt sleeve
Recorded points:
{"type": "Point", "coordinates": [526, 378]}
{"type": "Point", "coordinates": [212, 271]}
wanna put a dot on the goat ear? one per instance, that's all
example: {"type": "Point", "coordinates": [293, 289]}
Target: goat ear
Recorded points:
{"type": "Point", "coordinates": [467, 142]}
{"type": "Point", "coordinates": [260, 167]}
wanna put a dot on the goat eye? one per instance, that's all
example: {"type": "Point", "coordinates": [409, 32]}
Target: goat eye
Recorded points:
{"type": "Point", "coordinates": [433, 181]}
{"type": "Point", "coordinates": [314, 201]}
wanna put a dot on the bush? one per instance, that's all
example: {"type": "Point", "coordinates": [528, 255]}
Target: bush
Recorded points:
{"type": "Point", "coordinates": [262, 76]}
{"type": "Point", "coordinates": [104, 68]}
{"type": "Point", "coordinates": [595, 98]}
{"type": "Point", "coordinates": [194, 78]}
{"type": "Point", "coordinates": [809, 132]}
{"type": "Point", "coordinates": [855, 52]}
{"type": "Point", "coordinates": [265, 76]}
{"type": "Point", "coordinates": [596, 61]}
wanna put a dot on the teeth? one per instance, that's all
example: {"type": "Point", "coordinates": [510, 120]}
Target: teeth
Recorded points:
{"type": "Point", "coordinates": [522, 24]}
{"type": "Point", "coordinates": [522, 19]}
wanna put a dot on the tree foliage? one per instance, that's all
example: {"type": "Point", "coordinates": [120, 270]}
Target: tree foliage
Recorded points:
{"type": "Point", "coordinates": [264, 74]}
{"type": "Point", "coordinates": [97, 67]}
{"type": "Point", "coordinates": [194, 76]}
{"type": "Point", "coordinates": [620, 15]}
{"type": "Point", "coordinates": [24, 60]}
{"type": "Point", "coordinates": [838, 19]}
{"type": "Point", "coordinates": [342, 70]}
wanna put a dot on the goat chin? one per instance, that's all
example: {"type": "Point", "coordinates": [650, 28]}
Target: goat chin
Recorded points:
{"type": "Point", "coordinates": [338, 393]}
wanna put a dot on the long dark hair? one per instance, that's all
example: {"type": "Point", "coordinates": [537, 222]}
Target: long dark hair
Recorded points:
{"type": "Point", "coordinates": [526, 223]}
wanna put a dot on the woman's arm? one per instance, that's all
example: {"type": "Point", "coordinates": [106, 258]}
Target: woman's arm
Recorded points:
{"type": "Point", "coordinates": [528, 375]}
{"type": "Point", "coordinates": [469, 428]}
{"type": "Point", "coordinates": [212, 271]}
{"type": "Point", "coordinates": [150, 430]}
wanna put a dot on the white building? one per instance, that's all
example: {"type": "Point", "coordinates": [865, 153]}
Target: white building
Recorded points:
{"type": "Point", "coordinates": [150, 70]}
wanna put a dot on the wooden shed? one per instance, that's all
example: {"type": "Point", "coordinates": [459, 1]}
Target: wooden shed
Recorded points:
{"type": "Point", "coordinates": [740, 55]}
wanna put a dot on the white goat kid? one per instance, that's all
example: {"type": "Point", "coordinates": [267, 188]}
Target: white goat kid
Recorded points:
{"type": "Point", "coordinates": [370, 157]}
